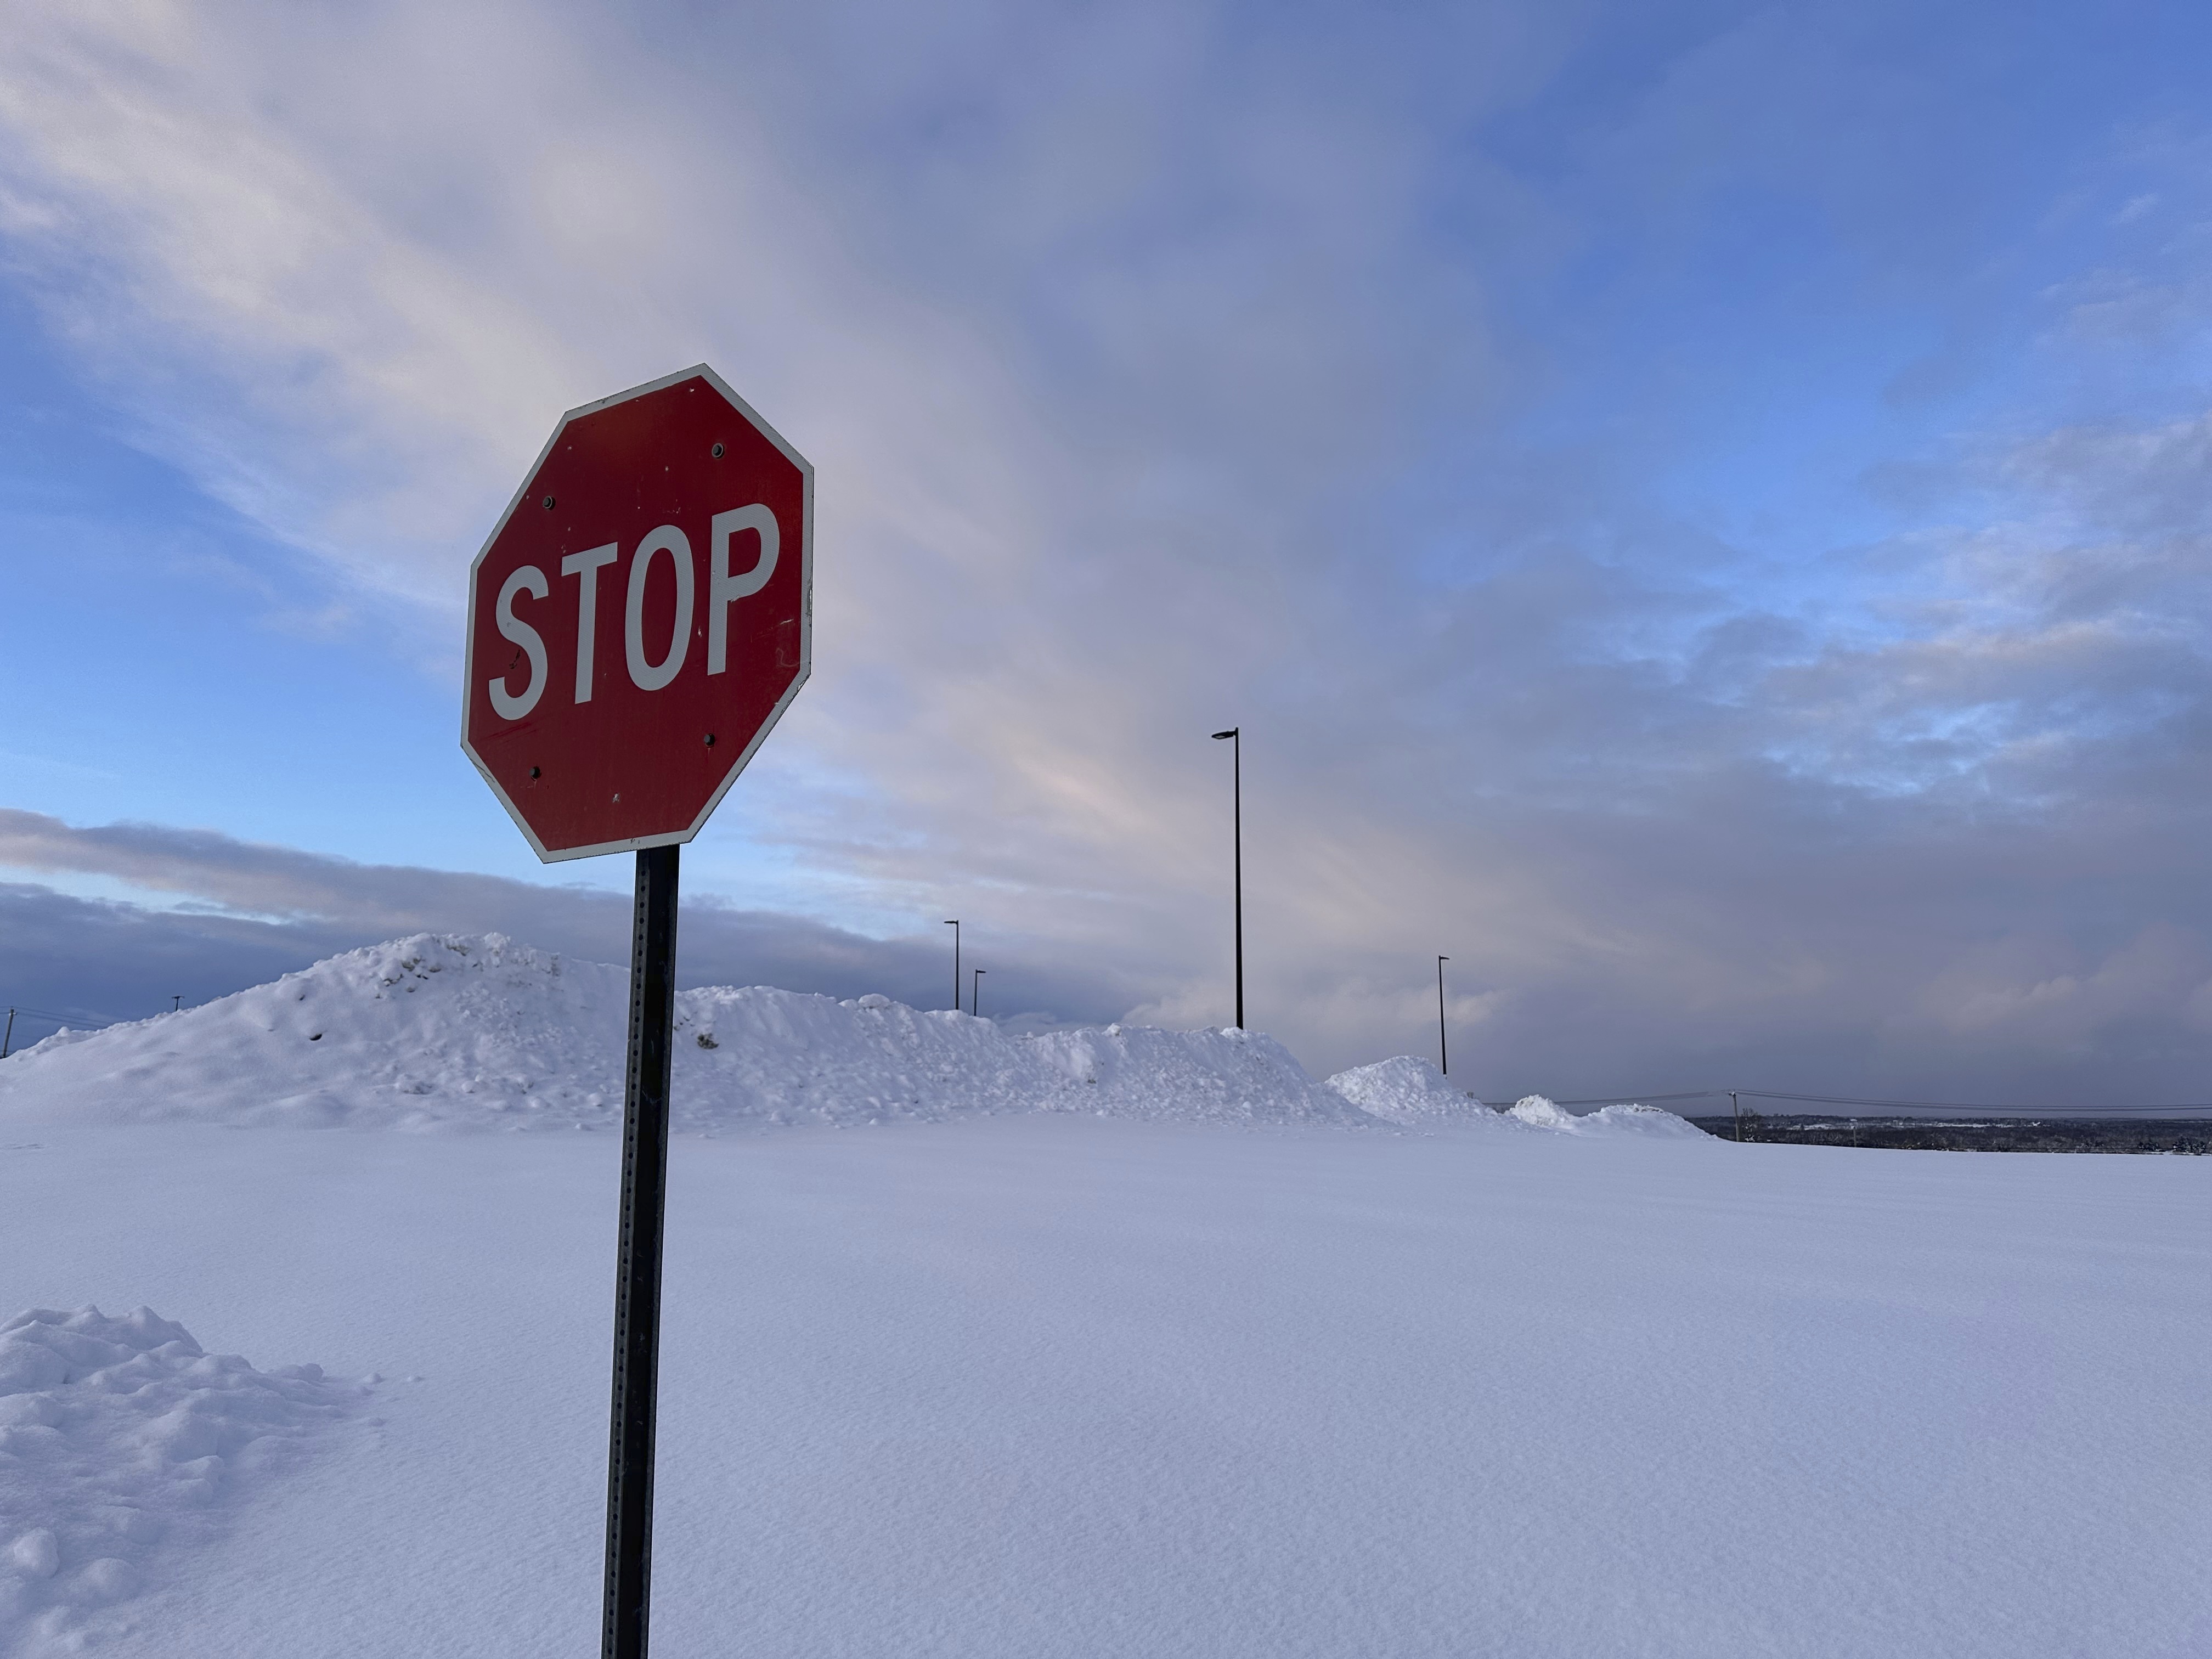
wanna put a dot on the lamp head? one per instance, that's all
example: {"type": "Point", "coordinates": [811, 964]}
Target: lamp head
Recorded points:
{"type": "Point", "coordinates": [1230, 732]}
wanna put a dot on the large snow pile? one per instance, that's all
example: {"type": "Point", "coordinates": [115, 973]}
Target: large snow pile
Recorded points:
{"type": "Point", "coordinates": [1412, 1092]}
{"type": "Point", "coordinates": [1538, 1113]}
{"type": "Point", "coordinates": [479, 1031]}
{"type": "Point", "coordinates": [117, 1436]}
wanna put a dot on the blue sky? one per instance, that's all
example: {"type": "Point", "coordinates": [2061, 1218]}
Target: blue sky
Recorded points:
{"type": "Point", "coordinates": [167, 656]}
{"type": "Point", "coordinates": [1698, 509]}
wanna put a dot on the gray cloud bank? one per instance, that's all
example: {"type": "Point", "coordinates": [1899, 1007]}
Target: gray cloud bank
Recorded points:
{"type": "Point", "coordinates": [243, 913]}
{"type": "Point", "coordinates": [1931, 982]}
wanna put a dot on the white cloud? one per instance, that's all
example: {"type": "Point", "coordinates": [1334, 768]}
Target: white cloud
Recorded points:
{"type": "Point", "coordinates": [1116, 336]}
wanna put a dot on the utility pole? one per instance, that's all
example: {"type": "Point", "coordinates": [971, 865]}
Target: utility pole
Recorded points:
{"type": "Point", "coordinates": [955, 926]}
{"type": "Point", "coordinates": [1235, 734]}
{"type": "Point", "coordinates": [176, 1002]}
{"type": "Point", "coordinates": [975, 990]}
{"type": "Point", "coordinates": [1443, 1054]}
{"type": "Point", "coordinates": [8, 1035]}
{"type": "Point", "coordinates": [1736, 1113]}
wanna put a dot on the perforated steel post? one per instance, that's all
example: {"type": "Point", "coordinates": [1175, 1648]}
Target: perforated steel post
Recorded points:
{"type": "Point", "coordinates": [637, 1270]}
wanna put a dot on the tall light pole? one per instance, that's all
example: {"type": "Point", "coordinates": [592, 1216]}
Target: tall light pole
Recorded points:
{"type": "Point", "coordinates": [974, 989]}
{"type": "Point", "coordinates": [1444, 1054]}
{"type": "Point", "coordinates": [955, 926]}
{"type": "Point", "coordinates": [1237, 822]}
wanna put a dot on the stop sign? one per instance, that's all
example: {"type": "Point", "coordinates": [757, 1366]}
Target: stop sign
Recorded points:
{"type": "Point", "coordinates": [639, 617]}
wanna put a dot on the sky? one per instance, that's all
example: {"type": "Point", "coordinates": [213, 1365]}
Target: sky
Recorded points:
{"type": "Point", "coordinates": [1698, 510]}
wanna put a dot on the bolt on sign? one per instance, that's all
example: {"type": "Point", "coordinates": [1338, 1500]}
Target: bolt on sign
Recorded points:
{"type": "Point", "coordinates": [639, 620]}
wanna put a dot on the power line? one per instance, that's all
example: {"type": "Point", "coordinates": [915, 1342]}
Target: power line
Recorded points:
{"type": "Point", "coordinates": [1969, 1106]}
{"type": "Point", "coordinates": [2195, 1109]}
{"type": "Point", "coordinates": [16, 1010]}
{"type": "Point", "coordinates": [64, 1020]}
{"type": "Point", "coordinates": [1637, 1100]}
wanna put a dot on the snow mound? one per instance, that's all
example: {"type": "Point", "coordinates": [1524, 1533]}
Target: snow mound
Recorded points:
{"type": "Point", "coordinates": [119, 1438]}
{"type": "Point", "coordinates": [1539, 1112]}
{"type": "Point", "coordinates": [478, 1032]}
{"type": "Point", "coordinates": [1411, 1091]}
{"type": "Point", "coordinates": [435, 1032]}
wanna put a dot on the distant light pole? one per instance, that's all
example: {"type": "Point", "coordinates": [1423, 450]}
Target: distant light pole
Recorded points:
{"type": "Point", "coordinates": [8, 1035]}
{"type": "Point", "coordinates": [955, 926]}
{"type": "Point", "coordinates": [1444, 1054]}
{"type": "Point", "coordinates": [1237, 822]}
{"type": "Point", "coordinates": [974, 989]}
{"type": "Point", "coordinates": [176, 1002]}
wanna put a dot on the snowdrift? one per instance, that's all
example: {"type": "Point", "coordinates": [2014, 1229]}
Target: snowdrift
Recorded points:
{"type": "Point", "coordinates": [122, 1439]}
{"type": "Point", "coordinates": [1411, 1092]}
{"type": "Point", "coordinates": [1539, 1112]}
{"type": "Point", "coordinates": [478, 1032]}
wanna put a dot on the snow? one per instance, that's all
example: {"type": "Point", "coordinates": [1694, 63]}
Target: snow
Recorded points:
{"type": "Point", "coordinates": [1412, 1092]}
{"type": "Point", "coordinates": [120, 1439]}
{"type": "Point", "coordinates": [1539, 1112]}
{"type": "Point", "coordinates": [440, 1032]}
{"type": "Point", "coordinates": [436, 1032]}
{"type": "Point", "coordinates": [1061, 1358]}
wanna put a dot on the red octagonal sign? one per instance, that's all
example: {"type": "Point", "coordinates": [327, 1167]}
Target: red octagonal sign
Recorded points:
{"type": "Point", "coordinates": [640, 618]}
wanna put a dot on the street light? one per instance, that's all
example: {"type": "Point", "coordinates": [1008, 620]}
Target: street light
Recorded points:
{"type": "Point", "coordinates": [1236, 821]}
{"type": "Point", "coordinates": [974, 985]}
{"type": "Point", "coordinates": [955, 926]}
{"type": "Point", "coordinates": [1444, 1054]}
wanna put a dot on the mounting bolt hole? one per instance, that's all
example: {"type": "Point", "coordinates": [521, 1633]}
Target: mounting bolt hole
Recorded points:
{"type": "Point", "coordinates": [716, 452]}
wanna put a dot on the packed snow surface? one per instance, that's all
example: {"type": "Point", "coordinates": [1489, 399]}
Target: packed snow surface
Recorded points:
{"type": "Point", "coordinates": [1059, 1359]}
{"type": "Point", "coordinates": [119, 1440]}
{"type": "Point", "coordinates": [1031, 1387]}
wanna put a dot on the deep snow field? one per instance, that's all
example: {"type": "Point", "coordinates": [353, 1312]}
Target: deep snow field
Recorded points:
{"type": "Point", "coordinates": [1117, 1342]}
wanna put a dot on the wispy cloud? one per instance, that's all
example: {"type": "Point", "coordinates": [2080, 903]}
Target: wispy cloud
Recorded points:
{"type": "Point", "coordinates": [1164, 370]}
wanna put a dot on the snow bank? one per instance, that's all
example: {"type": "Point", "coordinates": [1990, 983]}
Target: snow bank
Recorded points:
{"type": "Point", "coordinates": [436, 1032]}
{"type": "Point", "coordinates": [118, 1437]}
{"type": "Point", "coordinates": [1412, 1092]}
{"type": "Point", "coordinates": [478, 1032]}
{"type": "Point", "coordinates": [1538, 1113]}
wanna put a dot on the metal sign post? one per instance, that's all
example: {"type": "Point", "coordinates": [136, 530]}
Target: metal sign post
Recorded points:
{"type": "Point", "coordinates": [637, 1259]}
{"type": "Point", "coordinates": [640, 618]}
